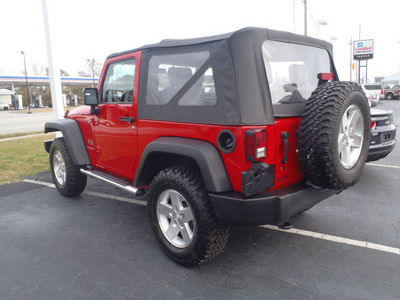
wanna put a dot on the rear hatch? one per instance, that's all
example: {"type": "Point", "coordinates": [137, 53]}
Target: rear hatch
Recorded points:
{"type": "Point", "coordinates": [293, 73]}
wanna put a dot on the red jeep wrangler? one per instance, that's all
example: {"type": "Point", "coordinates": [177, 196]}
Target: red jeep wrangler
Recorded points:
{"type": "Point", "coordinates": [250, 127]}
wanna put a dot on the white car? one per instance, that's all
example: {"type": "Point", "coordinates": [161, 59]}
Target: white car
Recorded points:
{"type": "Point", "coordinates": [373, 93]}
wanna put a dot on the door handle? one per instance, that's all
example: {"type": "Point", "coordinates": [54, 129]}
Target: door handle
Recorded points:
{"type": "Point", "coordinates": [127, 119]}
{"type": "Point", "coordinates": [284, 138]}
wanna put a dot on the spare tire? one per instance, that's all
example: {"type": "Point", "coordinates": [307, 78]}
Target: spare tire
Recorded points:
{"type": "Point", "coordinates": [334, 135]}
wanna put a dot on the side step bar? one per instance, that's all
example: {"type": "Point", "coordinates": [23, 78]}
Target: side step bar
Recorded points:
{"type": "Point", "coordinates": [128, 188]}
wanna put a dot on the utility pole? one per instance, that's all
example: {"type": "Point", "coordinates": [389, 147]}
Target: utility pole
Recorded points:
{"type": "Point", "coordinates": [305, 17]}
{"type": "Point", "coordinates": [351, 52]}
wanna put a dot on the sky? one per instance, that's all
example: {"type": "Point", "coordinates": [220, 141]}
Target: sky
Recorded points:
{"type": "Point", "coordinates": [83, 29]}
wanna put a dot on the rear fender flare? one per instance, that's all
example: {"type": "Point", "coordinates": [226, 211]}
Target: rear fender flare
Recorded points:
{"type": "Point", "coordinates": [205, 154]}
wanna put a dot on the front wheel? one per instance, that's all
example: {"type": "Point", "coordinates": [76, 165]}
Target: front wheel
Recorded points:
{"type": "Point", "coordinates": [67, 177]}
{"type": "Point", "coordinates": [182, 217]}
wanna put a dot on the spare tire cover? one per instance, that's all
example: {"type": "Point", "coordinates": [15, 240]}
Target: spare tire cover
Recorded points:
{"type": "Point", "coordinates": [334, 135]}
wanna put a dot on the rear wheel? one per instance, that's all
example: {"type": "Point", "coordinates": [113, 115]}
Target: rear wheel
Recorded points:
{"type": "Point", "coordinates": [389, 96]}
{"type": "Point", "coordinates": [334, 135]}
{"type": "Point", "coordinates": [67, 177]}
{"type": "Point", "coordinates": [182, 217]}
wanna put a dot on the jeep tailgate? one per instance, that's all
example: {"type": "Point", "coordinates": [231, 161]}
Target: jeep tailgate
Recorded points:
{"type": "Point", "coordinates": [287, 165]}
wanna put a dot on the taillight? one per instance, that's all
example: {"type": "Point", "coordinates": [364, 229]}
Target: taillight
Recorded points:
{"type": "Point", "coordinates": [398, 91]}
{"type": "Point", "coordinates": [381, 92]}
{"type": "Point", "coordinates": [373, 125]}
{"type": "Point", "coordinates": [256, 144]}
{"type": "Point", "coordinates": [325, 76]}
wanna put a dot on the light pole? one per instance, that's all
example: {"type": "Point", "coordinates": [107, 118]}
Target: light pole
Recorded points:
{"type": "Point", "coordinates": [398, 42]}
{"type": "Point", "coordinates": [321, 22]}
{"type": "Point", "coordinates": [27, 88]}
{"type": "Point", "coordinates": [91, 62]}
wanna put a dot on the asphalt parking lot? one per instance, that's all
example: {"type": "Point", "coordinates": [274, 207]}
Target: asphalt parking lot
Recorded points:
{"type": "Point", "coordinates": [100, 246]}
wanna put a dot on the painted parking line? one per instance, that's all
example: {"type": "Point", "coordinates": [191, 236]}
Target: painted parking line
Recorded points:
{"type": "Point", "coordinates": [95, 194]}
{"type": "Point", "coordinates": [51, 185]}
{"type": "Point", "coordinates": [336, 239]}
{"type": "Point", "coordinates": [312, 234]}
{"type": "Point", "coordinates": [383, 166]}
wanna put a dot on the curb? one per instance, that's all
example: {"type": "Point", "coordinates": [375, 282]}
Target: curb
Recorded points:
{"type": "Point", "coordinates": [21, 137]}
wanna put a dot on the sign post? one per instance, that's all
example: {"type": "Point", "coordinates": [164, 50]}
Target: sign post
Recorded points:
{"type": "Point", "coordinates": [363, 50]}
{"type": "Point", "coordinates": [54, 70]}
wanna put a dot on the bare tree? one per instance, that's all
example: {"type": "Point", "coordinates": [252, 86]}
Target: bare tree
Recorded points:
{"type": "Point", "coordinates": [94, 68]}
{"type": "Point", "coordinates": [63, 73]}
{"type": "Point", "coordinates": [37, 69]}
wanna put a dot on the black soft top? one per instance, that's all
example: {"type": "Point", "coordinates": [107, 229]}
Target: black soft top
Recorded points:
{"type": "Point", "coordinates": [257, 33]}
{"type": "Point", "coordinates": [242, 84]}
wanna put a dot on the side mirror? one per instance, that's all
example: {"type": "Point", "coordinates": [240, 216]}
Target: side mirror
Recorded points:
{"type": "Point", "coordinates": [91, 96]}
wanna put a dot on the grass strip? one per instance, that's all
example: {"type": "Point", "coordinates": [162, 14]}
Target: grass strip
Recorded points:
{"type": "Point", "coordinates": [40, 110]}
{"type": "Point", "coordinates": [23, 157]}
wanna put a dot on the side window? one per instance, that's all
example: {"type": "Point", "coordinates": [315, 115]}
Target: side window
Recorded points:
{"type": "Point", "coordinates": [169, 73]}
{"type": "Point", "coordinates": [202, 92]}
{"type": "Point", "coordinates": [119, 81]}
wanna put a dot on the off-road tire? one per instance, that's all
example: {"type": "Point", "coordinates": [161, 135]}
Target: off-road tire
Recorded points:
{"type": "Point", "coordinates": [319, 131]}
{"type": "Point", "coordinates": [75, 181]}
{"type": "Point", "coordinates": [209, 235]}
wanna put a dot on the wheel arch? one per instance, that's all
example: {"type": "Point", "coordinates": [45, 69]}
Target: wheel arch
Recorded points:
{"type": "Point", "coordinates": [166, 151]}
{"type": "Point", "coordinates": [73, 138]}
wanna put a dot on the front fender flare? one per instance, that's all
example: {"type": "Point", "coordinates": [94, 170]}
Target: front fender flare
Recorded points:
{"type": "Point", "coordinates": [73, 138]}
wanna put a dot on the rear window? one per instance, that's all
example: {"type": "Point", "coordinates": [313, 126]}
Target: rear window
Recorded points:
{"type": "Point", "coordinates": [372, 87]}
{"type": "Point", "coordinates": [292, 70]}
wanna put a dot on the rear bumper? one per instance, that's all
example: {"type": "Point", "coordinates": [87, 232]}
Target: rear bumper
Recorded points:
{"type": "Point", "coordinates": [274, 207]}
